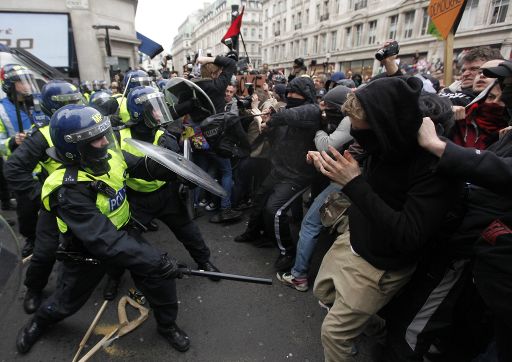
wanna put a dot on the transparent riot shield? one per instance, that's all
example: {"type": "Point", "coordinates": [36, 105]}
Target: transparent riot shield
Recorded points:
{"type": "Point", "coordinates": [10, 267]}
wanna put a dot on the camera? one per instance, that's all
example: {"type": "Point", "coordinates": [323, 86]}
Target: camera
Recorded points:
{"type": "Point", "coordinates": [245, 102]}
{"type": "Point", "coordinates": [392, 49]}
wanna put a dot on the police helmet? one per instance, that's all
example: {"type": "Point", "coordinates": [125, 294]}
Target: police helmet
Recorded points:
{"type": "Point", "coordinates": [18, 79]}
{"type": "Point", "coordinates": [85, 86]}
{"type": "Point", "coordinates": [148, 105]}
{"type": "Point", "coordinates": [57, 94]}
{"type": "Point", "coordinates": [136, 78]}
{"type": "Point", "coordinates": [96, 85]}
{"type": "Point", "coordinates": [104, 102]}
{"type": "Point", "coordinates": [73, 128]}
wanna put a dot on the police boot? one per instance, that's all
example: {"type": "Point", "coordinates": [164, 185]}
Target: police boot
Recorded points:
{"type": "Point", "coordinates": [176, 337]}
{"type": "Point", "coordinates": [110, 290]}
{"type": "Point", "coordinates": [29, 334]}
{"type": "Point", "coordinates": [32, 300]}
{"type": "Point", "coordinates": [28, 248]}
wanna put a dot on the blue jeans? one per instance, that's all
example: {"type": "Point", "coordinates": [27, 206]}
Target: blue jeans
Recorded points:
{"type": "Point", "coordinates": [309, 231]}
{"type": "Point", "coordinates": [204, 159]}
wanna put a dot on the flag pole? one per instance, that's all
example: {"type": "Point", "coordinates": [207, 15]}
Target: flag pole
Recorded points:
{"type": "Point", "coordinates": [245, 49]}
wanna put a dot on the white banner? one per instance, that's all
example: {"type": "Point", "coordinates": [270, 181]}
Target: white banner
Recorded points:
{"type": "Point", "coordinates": [44, 35]}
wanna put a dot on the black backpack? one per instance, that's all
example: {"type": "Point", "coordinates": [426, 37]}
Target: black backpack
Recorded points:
{"type": "Point", "coordinates": [225, 135]}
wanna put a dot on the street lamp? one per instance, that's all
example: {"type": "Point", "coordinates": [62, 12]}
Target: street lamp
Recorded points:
{"type": "Point", "coordinates": [326, 63]}
{"type": "Point", "coordinates": [107, 37]}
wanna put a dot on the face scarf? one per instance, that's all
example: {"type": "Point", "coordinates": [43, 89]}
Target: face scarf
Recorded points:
{"type": "Point", "coordinates": [294, 102]}
{"type": "Point", "coordinates": [366, 138]}
{"type": "Point", "coordinates": [481, 126]}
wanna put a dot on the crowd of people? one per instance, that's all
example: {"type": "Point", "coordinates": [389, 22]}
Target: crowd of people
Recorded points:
{"type": "Point", "coordinates": [403, 182]}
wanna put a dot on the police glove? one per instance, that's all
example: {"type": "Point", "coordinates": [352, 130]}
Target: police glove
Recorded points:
{"type": "Point", "coordinates": [169, 268]}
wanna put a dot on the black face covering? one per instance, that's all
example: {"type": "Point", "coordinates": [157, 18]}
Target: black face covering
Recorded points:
{"type": "Point", "coordinates": [333, 115]}
{"type": "Point", "coordinates": [294, 102]}
{"type": "Point", "coordinates": [95, 159]}
{"type": "Point", "coordinates": [366, 138]}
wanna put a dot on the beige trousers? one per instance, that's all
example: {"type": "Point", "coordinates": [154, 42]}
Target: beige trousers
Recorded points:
{"type": "Point", "coordinates": [357, 291]}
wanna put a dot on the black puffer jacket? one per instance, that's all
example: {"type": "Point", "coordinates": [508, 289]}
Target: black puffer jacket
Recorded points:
{"type": "Point", "coordinates": [215, 88]}
{"type": "Point", "coordinates": [292, 135]}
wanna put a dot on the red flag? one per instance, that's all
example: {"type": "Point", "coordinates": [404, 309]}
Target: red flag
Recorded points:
{"type": "Point", "coordinates": [234, 29]}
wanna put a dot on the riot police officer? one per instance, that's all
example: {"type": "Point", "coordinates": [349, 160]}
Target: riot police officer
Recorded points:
{"type": "Point", "coordinates": [157, 199]}
{"type": "Point", "coordinates": [19, 172]}
{"type": "Point", "coordinates": [18, 112]}
{"type": "Point", "coordinates": [132, 79]}
{"type": "Point", "coordinates": [89, 197]}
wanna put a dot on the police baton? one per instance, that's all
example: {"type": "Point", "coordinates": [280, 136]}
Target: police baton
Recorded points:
{"type": "Point", "coordinates": [239, 278]}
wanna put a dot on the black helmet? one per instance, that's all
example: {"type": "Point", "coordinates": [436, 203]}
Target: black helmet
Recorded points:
{"type": "Point", "coordinates": [104, 102]}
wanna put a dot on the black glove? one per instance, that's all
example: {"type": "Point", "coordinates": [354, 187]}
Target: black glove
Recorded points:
{"type": "Point", "coordinates": [232, 55]}
{"type": "Point", "coordinates": [169, 268]}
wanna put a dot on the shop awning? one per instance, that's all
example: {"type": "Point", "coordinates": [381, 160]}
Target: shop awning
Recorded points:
{"type": "Point", "coordinates": [148, 46]}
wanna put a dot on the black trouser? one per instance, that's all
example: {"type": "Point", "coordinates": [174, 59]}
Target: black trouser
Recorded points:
{"type": "Point", "coordinates": [269, 213]}
{"type": "Point", "coordinates": [43, 258]}
{"type": "Point", "coordinates": [4, 190]}
{"type": "Point", "coordinates": [495, 287]}
{"type": "Point", "coordinates": [166, 205]}
{"type": "Point", "coordinates": [425, 310]}
{"type": "Point", "coordinates": [247, 170]}
{"type": "Point", "coordinates": [76, 282]}
{"type": "Point", "coordinates": [26, 211]}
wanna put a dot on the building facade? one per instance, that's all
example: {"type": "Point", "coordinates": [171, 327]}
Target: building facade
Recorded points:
{"type": "Point", "coordinates": [182, 42]}
{"type": "Point", "coordinates": [86, 55]}
{"type": "Point", "coordinates": [337, 35]}
{"type": "Point", "coordinates": [204, 31]}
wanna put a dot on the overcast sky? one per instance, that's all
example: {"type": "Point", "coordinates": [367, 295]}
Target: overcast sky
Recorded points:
{"type": "Point", "coordinates": [160, 19]}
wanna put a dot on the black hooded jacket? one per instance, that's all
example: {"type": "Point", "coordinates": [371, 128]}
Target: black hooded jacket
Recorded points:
{"type": "Point", "coordinates": [399, 203]}
{"type": "Point", "coordinates": [292, 135]}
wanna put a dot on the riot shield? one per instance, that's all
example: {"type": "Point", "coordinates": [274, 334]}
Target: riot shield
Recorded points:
{"type": "Point", "coordinates": [10, 267]}
{"type": "Point", "coordinates": [180, 90]}
{"type": "Point", "coordinates": [179, 165]}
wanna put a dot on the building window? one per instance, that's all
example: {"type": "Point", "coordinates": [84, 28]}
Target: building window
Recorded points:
{"type": "Point", "coordinates": [315, 44]}
{"type": "Point", "coordinates": [334, 40]}
{"type": "Point", "coordinates": [498, 12]}
{"type": "Point", "coordinates": [469, 16]}
{"type": "Point", "coordinates": [360, 4]}
{"type": "Point", "coordinates": [317, 13]}
{"type": "Point", "coordinates": [305, 45]}
{"type": "Point", "coordinates": [284, 25]}
{"type": "Point", "coordinates": [408, 24]}
{"type": "Point", "coordinates": [372, 32]}
{"type": "Point", "coordinates": [425, 21]}
{"type": "Point", "coordinates": [348, 37]}
{"type": "Point", "coordinates": [253, 48]}
{"type": "Point", "coordinates": [323, 43]}
{"type": "Point", "coordinates": [253, 32]}
{"type": "Point", "coordinates": [358, 33]}
{"type": "Point", "coordinates": [306, 20]}
{"type": "Point", "coordinates": [393, 20]}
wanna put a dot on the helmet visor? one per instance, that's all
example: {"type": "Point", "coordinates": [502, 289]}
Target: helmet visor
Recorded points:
{"type": "Point", "coordinates": [71, 98]}
{"type": "Point", "coordinates": [156, 112]}
{"type": "Point", "coordinates": [101, 127]}
{"type": "Point", "coordinates": [142, 81]}
{"type": "Point", "coordinates": [24, 82]}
